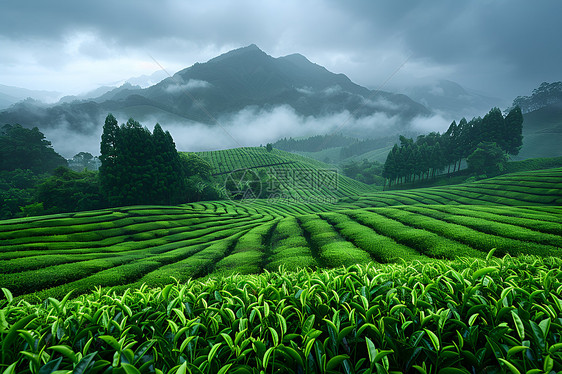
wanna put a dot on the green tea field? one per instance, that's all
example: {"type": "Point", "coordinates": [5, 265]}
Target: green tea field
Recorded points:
{"type": "Point", "coordinates": [413, 284]}
{"type": "Point", "coordinates": [50, 255]}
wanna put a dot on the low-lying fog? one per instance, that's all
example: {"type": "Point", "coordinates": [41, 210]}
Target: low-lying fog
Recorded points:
{"type": "Point", "coordinates": [251, 127]}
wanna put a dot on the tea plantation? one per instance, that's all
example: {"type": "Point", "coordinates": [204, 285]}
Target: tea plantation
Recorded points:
{"type": "Point", "coordinates": [458, 279]}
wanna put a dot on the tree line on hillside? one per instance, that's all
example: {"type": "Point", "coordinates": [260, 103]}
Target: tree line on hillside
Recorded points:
{"type": "Point", "coordinates": [546, 94]}
{"type": "Point", "coordinates": [365, 146]}
{"type": "Point", "coordinates": [140, 168]}
{"type": "Point", "coordinates": [483, 142]}
{"type": "Point", "coordinates": [314, 143]}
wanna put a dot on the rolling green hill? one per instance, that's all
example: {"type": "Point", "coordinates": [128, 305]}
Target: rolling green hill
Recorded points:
{"type": "Point", "coordinates": [284, 175]}
{"type": "Point", "coordinates": [51, 255]}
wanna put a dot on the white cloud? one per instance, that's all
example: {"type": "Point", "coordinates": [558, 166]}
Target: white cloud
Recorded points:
{"type": "Point", "coordinates": [438, 123]}
{"type": "Point", "coordinates": [333, 90]}
{"type": "Point", "coordinates": [305, 90]}
{"type": "Point", "coordinates": [191, 84]}
{"type": "Point", "coordinates": [381, 104]}
{"type": "Point", "coordinates": [249, 127]}
{"type": "Point", "coordinates": [252, 127]}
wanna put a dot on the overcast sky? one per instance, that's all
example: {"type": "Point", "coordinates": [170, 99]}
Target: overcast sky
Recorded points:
{"type": "Point", "coordinates": [501, 48]}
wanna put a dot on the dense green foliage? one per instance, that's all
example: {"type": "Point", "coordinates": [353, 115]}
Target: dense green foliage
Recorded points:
{"type": "Point", "coordinates": [17, 189]}
{"type": "Point", "coordinates": [314, 143]}
{"type": "Point", "coordinates": [26, 159]}
{"type": "Point", "coordinates": [139, 167]}
{"type": "Point", "coordinates": [398, 305]}
{"type": "Point", "coordinates": [22, 148]}
{"type": "Point", "coordinates": [70, 191]}
{"type": "Point", "coordinates": [465, 316]}
{"type": "Point", "coordinates": [199, 184]}
{"type": "Point", "coordinates": [432, 153]}
{"type": "Point", "coordinates": [24, 193]}
{"type": "Point", "coordinates": [487, 158]}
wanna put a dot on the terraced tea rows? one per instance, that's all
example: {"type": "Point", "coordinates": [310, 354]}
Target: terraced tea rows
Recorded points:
{"type": "Point", "coordinates": [254, 157]}
{"type": "Point", "coordinates": [48, 256]}
{"type": "Point", "coordinates": [284, 175]}
{"type": "Point", "coordinates": [533, 188]}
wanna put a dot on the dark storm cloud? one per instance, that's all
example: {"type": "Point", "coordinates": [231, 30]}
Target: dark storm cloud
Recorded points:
{"type": "Point", "coordinates": [514, 44]}
{"type": "Point", "coordinates": [502, 47]}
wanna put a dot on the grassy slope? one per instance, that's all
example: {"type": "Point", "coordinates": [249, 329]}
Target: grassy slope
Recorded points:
{"type": "Point", "coordinates": [517, 214]}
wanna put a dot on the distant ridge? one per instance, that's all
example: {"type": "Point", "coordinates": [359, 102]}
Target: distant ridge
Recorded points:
{"type": "Point", "coordinates": [226, 84]}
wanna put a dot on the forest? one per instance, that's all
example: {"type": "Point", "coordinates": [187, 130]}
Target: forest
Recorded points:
{"type": "Point", "coordinates": [483, 142]}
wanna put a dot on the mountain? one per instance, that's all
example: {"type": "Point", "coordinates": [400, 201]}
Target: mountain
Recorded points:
{"type": "Point", "coordinates": [220, 88]}
{"type": "Point", "coordinates": [249, 77]}
{"type": "Point", "coordinates": [99, 94]}
{"type": "Point", "coordinates": [10, 95]}
{"type": "Point", "coordinates": [450, 98]}
{"type": "Point", "coordinates": [148, 80]}
{"type": "Point", "coordinates": [90, 95]}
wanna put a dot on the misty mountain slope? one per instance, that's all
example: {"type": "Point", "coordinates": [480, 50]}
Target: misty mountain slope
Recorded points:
{"type": "Point", "coordinates": [542, 133]}
{"type": "Point", "coordinates": [10, 95]}
{"type": "Point", "coordinates": [249, 77]}
{"type": "Point", "coordinates": [223, 86]}
{"type": "Point", "coordinates": [450, 98]}
{"type": "Point", "coordinates": [546, 94]}
{"type": "Point", "coordinates": [542, 121]}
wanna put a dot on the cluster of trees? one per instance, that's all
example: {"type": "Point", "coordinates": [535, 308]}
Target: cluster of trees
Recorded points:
{"type": "Point", "coordinates": [200, 185]}
{"type": "Point", "coordinates": [27, 159]}
{"type": "Point", "coordinates": [314, 143]}
{"type": "Point", "coordinates": [27, 149]}
{"type": "Point", "coordinates": [546, 94]}
{"type": "Point", "coordinates": [67, 190]}
{"type": "Point", "coordinates": [140, 167]}
{"type": "Point", "coordinates": [432, 153]}
{"type": "Point", "coordinates": [365, 146]}
{"type": "Point", "coordinates": [35, 179]}
{"type": "Point", "coordinates": [84, 161]}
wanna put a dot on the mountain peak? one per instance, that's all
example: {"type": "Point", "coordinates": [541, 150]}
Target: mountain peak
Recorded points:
{"type": "Point", "coordinates": [296, 58]}
{"type": "Point", "coordinates": [246, 77]}
{"type": "Point", "coordinates": [250, 49]}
